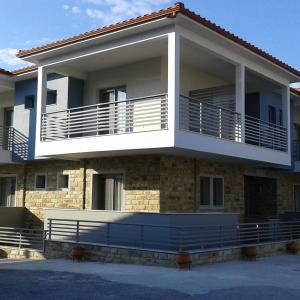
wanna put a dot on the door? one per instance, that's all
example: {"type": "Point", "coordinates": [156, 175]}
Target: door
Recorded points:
{"type": "Point", "coordinates": [7, 191]}
{"type": "Point", "coordinates": [107, 192]}
{"type": "Point", "coordinates": [7, 125]}
{"type": "Point", "coordinates": [260, 197]}
{"type": "Point", "coordinates": [113, 106]}
{"type": "Point", "coordinates": [297, 197]}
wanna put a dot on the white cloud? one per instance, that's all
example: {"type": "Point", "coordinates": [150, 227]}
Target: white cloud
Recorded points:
{"type": "Point", "coordinates": [8, 59]}
{"type": "Point", "coordinates": [72, 9]}
{"type": "Point", "coordinates": [112, 11]}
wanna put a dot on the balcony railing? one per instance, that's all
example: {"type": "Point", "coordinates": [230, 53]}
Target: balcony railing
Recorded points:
{"type": "Point", "coordinates": [265, 134]}
{"type": "Point", "coordinates": [205, 118]}
{"type": "Point", "coordinates": [6, 137]}
{"type": "Point", "coordinates": [132, 115]}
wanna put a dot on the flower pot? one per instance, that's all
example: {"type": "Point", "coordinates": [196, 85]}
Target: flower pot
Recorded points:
{"type": "Point", "coordinates": [183, 260]}
{"type": "Point", "coordinates": [250, 252]}
{"type": "Point", "coordinates": [293, 247]}
{"type": "Point", "coordinates": [77, 253]}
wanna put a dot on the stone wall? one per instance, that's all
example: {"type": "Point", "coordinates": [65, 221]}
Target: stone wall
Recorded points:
{"type": "Point", "coordinates": [152, 183]}
{"type": "Point", "coordinates": [15, 253]}
{"type": "Point", "coordinates": [109, 254]}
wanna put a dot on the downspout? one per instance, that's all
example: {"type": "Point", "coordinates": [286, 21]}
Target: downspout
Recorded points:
{"type": "Point", "coordinates": [24, 186]}
{"type": "Point", "coordinates": [84, 185]}
{"type": "Point", "coordinates": [195, 185]}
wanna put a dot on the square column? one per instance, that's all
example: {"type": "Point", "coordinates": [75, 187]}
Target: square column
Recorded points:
{"type": "Point", "coordinates": [41, 100]}
{"type": "Point", "coordinates": [173, 80]}
{"type": "Point", "coordinates": [240, 98]}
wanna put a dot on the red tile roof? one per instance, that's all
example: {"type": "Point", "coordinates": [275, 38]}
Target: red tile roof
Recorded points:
{"type": "Point", "coordinates": [4, 72]}
{"type": "Point", "coordinates": [168, 12]}
{"type": "Point", "coordinates": [295, 91]}
{"type": "Point", "coordinates": [24, 70]}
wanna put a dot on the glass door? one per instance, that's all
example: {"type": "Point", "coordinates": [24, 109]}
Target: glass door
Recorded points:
{"type": "Point", "coordinates": [7, 191]}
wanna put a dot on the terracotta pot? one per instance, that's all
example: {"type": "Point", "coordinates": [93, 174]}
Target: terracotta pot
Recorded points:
{"type": "Point", "coordinates": [293, 247]}
{"type": "Point", "coordinates": [249, 252]}
{"type": "Point", "coordinates": [183, 260]}
{"type": "Point", "coordinates": [77, 253]}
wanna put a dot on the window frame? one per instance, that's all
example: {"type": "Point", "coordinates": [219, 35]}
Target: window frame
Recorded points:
{"type": "Point", "coordinates": [211, 189]}
{"type": "Point", "coordinates": [272, 109]}
{"type": "Point", "coordinates": [57, 181]}
{"type": "Point", "coordinates": [46, 181]}
{"type": "Point", "coordinates": [26, 97]}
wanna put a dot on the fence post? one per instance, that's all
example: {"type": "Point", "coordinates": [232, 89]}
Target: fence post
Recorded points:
{"type": "Point", "coordinates": [108, 233]}
{"type": "Point", "coordinates": [77, 231]}
{"type": "Point", "coordinates": [50, 228]}
{"type": "Point", "coordinates": [142, 235]}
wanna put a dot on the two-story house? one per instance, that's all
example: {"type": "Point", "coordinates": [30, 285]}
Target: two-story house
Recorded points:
{"type": "Point", "coordinates": [167, 112]}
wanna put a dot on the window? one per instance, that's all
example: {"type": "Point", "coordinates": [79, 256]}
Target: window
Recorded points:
{"type": "Point", "coordinates": [40, 181]}
{"type": "Point", "coordinates": [107, 192]}
{"type": "Point", "coordinates": [211, 191]}
{"type": "Point", "coordinates": [62, 181]}
{"type": "Point", "coordinates": [280, 117]}
{"type": "Point", "coordinates": [272, 114]}
{"type": "Point", "coordinates": [7, 191]}
{"type": "Point", "coordinates": [51, 97]}
{"type": "Point", "coordinates": [29, 102]}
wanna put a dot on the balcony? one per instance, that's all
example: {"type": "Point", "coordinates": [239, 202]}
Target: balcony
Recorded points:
{"type": "Point", "coordinates": [130, 116]}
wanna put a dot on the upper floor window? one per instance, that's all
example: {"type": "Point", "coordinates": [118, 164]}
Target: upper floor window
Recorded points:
{"type": "Point", "coordinates": [51, 97]}
{"type": "Point", "coordinates": [211, 191]}
{"type": "Point", "coordinates": [280, 118]}
{"type": "Point", "coordinates": [29, 102]}
{"type": "Point", "coordinates": [272, 114]}
{"type": "Point", "coordinates": [40, 182]}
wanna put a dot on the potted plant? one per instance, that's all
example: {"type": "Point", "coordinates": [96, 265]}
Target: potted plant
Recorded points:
{"type": "Point", "coordinates": [293, 247]}
{"type": "Point", "coordinates": [183, 259]}
{"type": "Point", "coordinates": [249, 252]}
{"type": "Point", "coordinates": [77, 253]}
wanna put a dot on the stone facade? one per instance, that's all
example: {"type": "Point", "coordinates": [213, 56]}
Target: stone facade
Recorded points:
{"type": "Point", "coordinates": [15, 253]}
{"type": "Point", "coordinates": [152, 183]}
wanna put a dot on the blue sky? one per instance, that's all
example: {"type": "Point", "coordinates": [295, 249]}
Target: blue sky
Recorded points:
{"type": "Point", "coordinates": [270, 24]}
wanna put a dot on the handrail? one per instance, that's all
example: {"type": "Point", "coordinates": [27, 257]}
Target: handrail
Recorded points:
{"type": "Point", "coordinates": [266, 122]}
{"type": "Point", "coordinates": [104, 104]}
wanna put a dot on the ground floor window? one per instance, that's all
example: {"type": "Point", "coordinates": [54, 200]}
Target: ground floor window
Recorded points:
{"type": "Point", "coordinates": [211, 191]}
{"type": "Point", "coordinates": [7, 191]}
{"type": "Point", "coordinates": [107, 192]}
{"type": "Point", "coordinates": [63, 182]}
{"type": "Point", "coordinates": [40, 182]}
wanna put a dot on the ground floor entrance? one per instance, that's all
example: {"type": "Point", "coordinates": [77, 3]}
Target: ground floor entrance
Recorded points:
{"type": "Point", "coordinates": [260, 197]}
{"type": "Point", "coordinates": [8, 191]}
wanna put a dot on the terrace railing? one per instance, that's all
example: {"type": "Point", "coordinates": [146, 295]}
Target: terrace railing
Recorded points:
{"type": "Point", "coordinates": [265, 134]}
{"type": "Point", "coordinates": [203, 117]}
{"type": "Point", "coordinates": [132, 115]}
{"type": "Point", "coordinates": [172, 238]}
{"type": "Point", "coordinates": [22, 238]}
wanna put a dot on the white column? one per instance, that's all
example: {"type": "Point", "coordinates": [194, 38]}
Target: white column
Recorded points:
{"type": "Point", "coordinates": [240, 97]}
{"type": "Point", "coordinates": [286, 115]}
{"type": "Point", "coordinates": [173, 80]}
{"type": "Point", "coordinates": [41, 100]}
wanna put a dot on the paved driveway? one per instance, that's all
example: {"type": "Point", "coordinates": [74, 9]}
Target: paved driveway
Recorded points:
{"type": "Point", "coordinates": [269, 278]}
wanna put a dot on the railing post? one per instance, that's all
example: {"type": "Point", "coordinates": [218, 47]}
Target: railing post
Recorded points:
{"type": "Point", "coordinates": [50, 229]}
{"type": "Point", "coordinates": [108, 233]}
{"type": "Point", "coordinates": [77, 231]}
{"type": "Point", "coordinates": [20, 239]}
{"type": "Point", "coordinates": [142, 236]}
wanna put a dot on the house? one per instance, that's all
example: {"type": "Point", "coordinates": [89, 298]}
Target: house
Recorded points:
{"type": "Point", "coordinates": [164, 113]}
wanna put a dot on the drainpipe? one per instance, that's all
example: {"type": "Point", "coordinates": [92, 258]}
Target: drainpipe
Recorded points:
{"type": "Point", "coordinates": [24, 186]}
{"type": "Point", "coordinates": [84, 185]}
{"type": "Point", "coordinates": [195, 186]}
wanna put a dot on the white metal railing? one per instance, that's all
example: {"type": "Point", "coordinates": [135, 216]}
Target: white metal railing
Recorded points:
{"type": "Point", "coordinates": [22, 238]}
{"type": "Point", "coordinates": [172, 238]}
{"type": "Point", "coordinates": [205, 118]}
{"type": "Point", "coordinates": [264, 134]}
{"type": "Point", "coordinates": [132, 115]}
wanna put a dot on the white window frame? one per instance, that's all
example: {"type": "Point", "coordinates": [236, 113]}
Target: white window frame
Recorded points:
{"type": "Point", "coordinates": [211, 186]}
{"type": "Point", "coordinates": [46, 181]}
{"type": "Point", "coordinates": [57, 182]}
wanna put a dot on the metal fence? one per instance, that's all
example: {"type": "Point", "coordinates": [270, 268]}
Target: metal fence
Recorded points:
{"type": "Point", "coordinates": [206, 118]}
{"type": "Point", "coordinates": [172, 238]}
{"type": "Point", "coordinates": [132, 115]}
{"type": "Point", "coordinates": [265, 134]}
{"type": "Point", "coordinates": [22, 238]}
{"type": "Point", "coordinates": [6, 137]}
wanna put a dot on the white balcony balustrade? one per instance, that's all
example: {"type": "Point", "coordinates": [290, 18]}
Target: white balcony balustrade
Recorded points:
{"type": "Point", "coordinates": [129, 116]}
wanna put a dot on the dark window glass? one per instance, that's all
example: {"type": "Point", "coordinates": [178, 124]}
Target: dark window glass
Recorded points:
{"type": "Point", "coordinates": [280, 117]}
{"type": "Point", "coordinates": [272, 114]}
{"type": "Point", "coordinates": [40, 182]}
{"type": "Point", "coordinates": [29, 102]}
{"type": "Point", "coordinates": [218, 191]}
{"type": "Point", "coordinates": [204, 191]}
{"type": "Point", "coordinates": [51, 97]}
{"type": "Point", "coordinates": [63, 181]}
